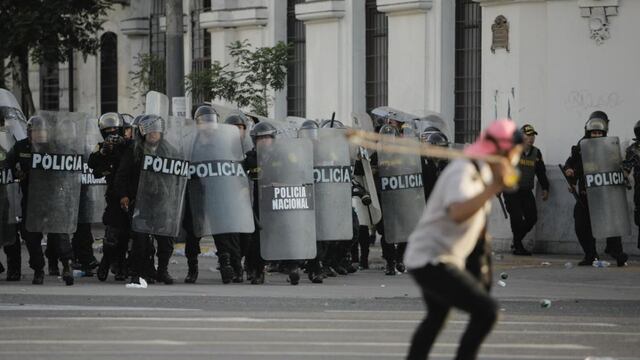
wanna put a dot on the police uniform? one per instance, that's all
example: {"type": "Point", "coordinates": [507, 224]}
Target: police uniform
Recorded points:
{"type": "Point", "coordinates": [58, 244]}
{"type": "Point", "coordinates": [118, 228]}
{"type": "Point", "coordinates": [255, 262]}
{"type": "Point", "coordinates": [581, 217]}
{"type": "Point", "coordinates": [126, 185]}
{"type": "Point", "coordinates": [521, 204]}
{"type": "Point", "coordinates": [631, 164]}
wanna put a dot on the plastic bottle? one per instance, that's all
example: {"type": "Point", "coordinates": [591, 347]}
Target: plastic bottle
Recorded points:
{"type": "Point", "coordinates": [600, 263]}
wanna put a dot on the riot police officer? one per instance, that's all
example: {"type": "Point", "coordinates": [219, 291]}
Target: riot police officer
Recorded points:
{"type": "Point", "coordinates": [104, 161]}
{"type": "Point", "coordinates": [127, 179]}
{"type": "Point", "coordinates": [432, 167]}
{"type": "Point", "coordinates": [595, 127]}
{"type": "Point", "coordinates": [20, 160]}
{"type": "Point", "coordinates": [631, 164]}
{"type": "Point", "coordinates": [521, 204]}
{"type": "Point", "coordinates": [262, 133]}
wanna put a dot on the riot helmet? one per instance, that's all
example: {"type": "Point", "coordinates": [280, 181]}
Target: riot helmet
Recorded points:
{"type": "Point", "coordinates": [599, 115]}
{"type": "Point", "coordinates": [309, 127]}
{"type": "Point", "coordinates": [151, 128]}
{"type": "Point", "coordinates": [437, 139]}
{"type": "Point", "coordinates": [596, 125]}
{"type": "Point", "coordinates": [237, 120]}
{"type": "Point", "coordinates": [263, 129]}
{"type": "Point", "coordinates": [636, 130]}
{"type": "Point", "coordinates": [111, 123]}
{"type": "Point", "coordinates": [205, 114]}
{"type": "Point", "coordinates": [388, 130]}
{"type": "Point", "coordinates": [327, 124]}
{"type": "Point", "coordinates": [37, 130]}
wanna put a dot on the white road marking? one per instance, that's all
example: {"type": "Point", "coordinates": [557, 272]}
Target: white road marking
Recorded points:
{"type": "Point", "coordinates": [43, 307]}
{"type": "Point", "coordinates": [284, 343]}
{"type": "Point", "coordinates": [319, 320]}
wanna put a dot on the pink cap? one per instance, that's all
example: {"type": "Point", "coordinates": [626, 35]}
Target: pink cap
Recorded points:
{"type": "Point", "coordinates": [497, 137]}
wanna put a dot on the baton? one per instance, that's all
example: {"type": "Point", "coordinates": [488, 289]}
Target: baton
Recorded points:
{"type": "Point", "coordinates": [574, 192]}
{"type": "Point", "coordinates": [333, 118]}
{"type": "Point", "coordinates": [504, 210]}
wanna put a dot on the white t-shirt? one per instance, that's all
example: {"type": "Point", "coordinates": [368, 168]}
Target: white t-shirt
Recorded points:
{"type": "Point", "coordinates": [439, 239]}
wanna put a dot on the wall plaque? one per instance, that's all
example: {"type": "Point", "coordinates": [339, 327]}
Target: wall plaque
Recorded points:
{"type": "Point", "coordinates": [500, 30]}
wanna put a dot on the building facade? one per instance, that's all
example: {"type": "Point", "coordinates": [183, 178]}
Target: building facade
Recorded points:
{"type": "Point", "coordinates": [549, 63]}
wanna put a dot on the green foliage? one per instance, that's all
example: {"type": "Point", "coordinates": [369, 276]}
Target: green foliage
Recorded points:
{"type": "Point", "coordinates": [150, 75]}
{"type": "Point", "coordinates": [49, 29]}
{"type": "Point", "coordinates": [248, 80]}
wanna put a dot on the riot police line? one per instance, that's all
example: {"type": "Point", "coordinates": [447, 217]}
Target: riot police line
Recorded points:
{"type": "Point", "coordinates": [263, 194]}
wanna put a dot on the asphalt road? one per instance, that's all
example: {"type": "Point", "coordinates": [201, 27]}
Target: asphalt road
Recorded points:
{"type": "Point", "coordinates": [367, 315]}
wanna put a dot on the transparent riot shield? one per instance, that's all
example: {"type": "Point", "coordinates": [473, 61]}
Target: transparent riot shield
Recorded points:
{"type": "Point", "coordinates": [92, 192]}
{"type": "Point", "coordinates": [286, 199]}
{"type": "Point", "coordinates": [219, 192]}
{"type": "Point", "coordinates": [606, 186]}
{"type": "Point", "coordinates": [9, 209]}
{"type": "Point", "coordinates": [401, 192]}
{"type": "Point", "coordinates": [159, 203]}
{"type": "Point", "coordinates": [56, 172]}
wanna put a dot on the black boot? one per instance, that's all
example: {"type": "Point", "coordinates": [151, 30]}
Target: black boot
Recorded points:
{"type": "Point", "coordinates": [391, 268]}
{"type": "Point", "coordinates": [14, 274]}
{"type": "Point", "coordinates": [294, 275]}
{"type": "Point", "coordinates": [238, 275]}
{"type": "Point", "coordinates": [121, 271]}
{"type": "Point", "coordinates": [257, 277]}
{"type": "Point", "coordinates": [519, 250]}
{"type": "Point", "coordinates": [588, 260]}
{"type": "Point", "coordinates": [226, 271]}
{"type": "Point", "coordinates": [38, 277]}
{"type": "Point", "coordinates": [364, 259]}
{"type": "Point", "coordinates": [103, 269]}
{"type": "Point", "coordinates": [67, 274]}
{"type": "Point", "coordinates": [1, 268]}
{"type": "Point", "coordinates": [192, 273]}
{"type": "Point", "coordinates": [164, 277]}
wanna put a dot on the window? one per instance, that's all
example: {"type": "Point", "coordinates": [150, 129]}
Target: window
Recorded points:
{"type": "Point", "coordinates": [376, 54]}
{"type": "Point", "coordinates": [296, 68]}
{"type": "Point", "coordinates": [157, 48]}
{"type": "Point", "coordinates": [49, 86]}
{"type": "Point", "coordinates": [201, 44]}
{"type": "Point", "coordinates": [108, 73]}
{"type": "Point", "coordinates": [468, 71]}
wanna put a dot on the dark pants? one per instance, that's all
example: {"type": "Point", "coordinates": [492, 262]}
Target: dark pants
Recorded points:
{"type": "Point", "coordinates": [523, 214]}
{"type": "Point", "coordinates": [82, 243]}
{"type": "Point", "coordinates": [14, 256]}
{"type": "Point", "coordinates": [363, 243]}
{"type": "Point", "coordinates": [141, 249]}
{"type": "Point", "coordinates": [115, 246]}
{"type": "Point", "coordinates": [58, 248]}
{"type": "Point", "coordinates": [392, 253]}
{"type": "Point", "coordinates": [443, 287]}
{"type": "Point", "coordinates": [254, 258]}
{"type": "Point", "coordinates": [585, 235]}
{"type": "Point", "coordinates": [229, 244]}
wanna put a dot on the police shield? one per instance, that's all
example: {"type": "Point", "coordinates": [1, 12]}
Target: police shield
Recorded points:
{"type": "Point", "coordinates": [11, 115]}
{"type": "Point", "coordinates": [605, 182]}
{"type": "Point", "coordinates": [218, 190]}
{"type": "Point", "coordinates": [9, 198]}
{"type": "Point", "coordinates": [286, 199]}
{"type": "Point", "coordinates": [92, 192]}
{"type": "Point", "coordinates": [370, 214]}
{"type": "Point", "coordinates": [57, 145]}
{"type": "Point", "coordinates": [401, 192]}
{"type": "Point", "coordinates": [332, 178]}
{"type": "Point", "coordinates": [157, 103]}
{"type": "Point", "coordinates": [159, 203]}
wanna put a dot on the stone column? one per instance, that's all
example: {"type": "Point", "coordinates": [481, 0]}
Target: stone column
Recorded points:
{"type": "Point", "coordinates": [335, 39]}
{"type": "Point", "coordinates": [421, 55]}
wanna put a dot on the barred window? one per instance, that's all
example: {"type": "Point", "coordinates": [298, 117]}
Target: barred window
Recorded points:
{"type": "Point", "coordinates": [296, 68]}
{"type": "Point", "coordinates": [377, 55]}
{"type": "Point", "coordinates": [108, 73]}
{"type": "Point", "coordinates": [468, 71]}
{"type": "Point", "coordinates": [201, 44]}
{"type": "Point", "coordinates": [49, 86]}
{"type": "Point", "coordinates": [157, 48]}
